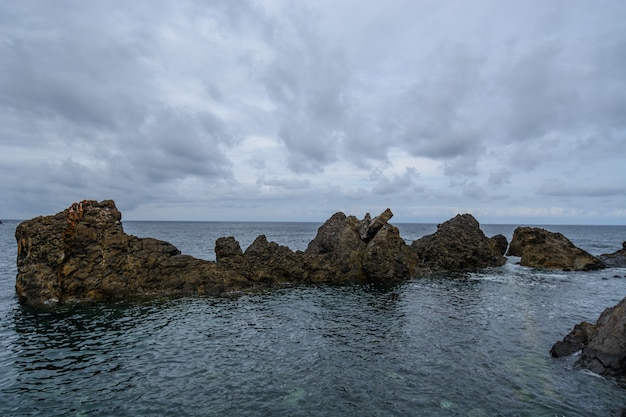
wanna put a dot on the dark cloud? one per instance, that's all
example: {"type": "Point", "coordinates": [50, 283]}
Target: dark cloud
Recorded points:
{"type": "Point", "coordinates": [307, 79]}
{"type": "Point", "coordinates": [174, 143]}
{"type": "Point", "coordinates": [279, 105]}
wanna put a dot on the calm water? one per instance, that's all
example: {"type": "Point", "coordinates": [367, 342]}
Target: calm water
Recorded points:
{"type": "Point", "coordinates": [467, 345]}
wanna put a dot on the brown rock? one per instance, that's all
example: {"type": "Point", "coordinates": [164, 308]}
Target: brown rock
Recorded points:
{"type": "Point", "coordinates": [339, 245]}
{"type": "Point", "coordinates": [540, 248]}
{"type": "Point", "coordinates": [273, 263]}
{"type": "Point", "coordinates": [83, 253]}
{"type": "Point", "coordinates": [459, 245]}
{"type": "Point", "coordinates": [387, 258]}
{"type": "Point", "coordinates": [500, 243]}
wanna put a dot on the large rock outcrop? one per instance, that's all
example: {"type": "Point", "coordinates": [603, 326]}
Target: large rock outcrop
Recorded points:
{"type": "Point", "coordinates": [363, 250]}
{"type": "Point", "coordinates": [540, 248]}
{"type": "Point", "coordinates": [602, 345]}
{"type": "Point", "coordinates": [83, 253]}
{"type": "Point", "coordinates": [460, 245]}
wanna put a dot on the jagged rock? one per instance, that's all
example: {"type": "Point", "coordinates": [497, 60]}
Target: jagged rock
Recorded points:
{"type": "Point", "coordinates": [605, 352]}
{"type": "Point", "coordinates": [540, 248]}
{"type": "Point", "coordinates": [229, 256]}
{"type": "Point", "coordinates": [368, 228]}
{"type": "Point", "coordinates": [574, 341]}
{"type": "Point", "coordinates": [273, 263]}
{"type": "Point", "coordinates": [338, 243]}
{"type": "Point", "coordinates": [83, 253]}
{"type": "Point", "coordinates": [360, 251]}
{"type": "Point", "coordinates": [603, 344]}
{"type": "Point", "coordinates": [459, 245]}
{"type": "Point", "coordinates": [616, 259]}
{"type": "Point", "coordinates": [388, 258]}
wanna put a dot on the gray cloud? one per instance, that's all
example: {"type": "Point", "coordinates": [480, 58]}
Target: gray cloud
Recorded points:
{"type": "Point", "coordinates": [388, 185]}
{"type": "Point", "coordinates": [265, 104]}
{"type": "Point", "coordinates": [558, 188]}
{"type": "Point", "coordinates": [286, 183]}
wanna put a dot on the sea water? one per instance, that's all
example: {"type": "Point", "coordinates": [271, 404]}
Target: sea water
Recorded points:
{"type": "Point", "coordinates": [474, 344]}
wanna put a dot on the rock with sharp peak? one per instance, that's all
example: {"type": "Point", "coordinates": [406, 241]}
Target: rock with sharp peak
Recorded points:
{"type": "Point", "coordinates": [83, 253]}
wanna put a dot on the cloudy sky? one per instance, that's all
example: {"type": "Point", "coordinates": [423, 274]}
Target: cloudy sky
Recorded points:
{"type": "Point", "coordinates": [514, 111]}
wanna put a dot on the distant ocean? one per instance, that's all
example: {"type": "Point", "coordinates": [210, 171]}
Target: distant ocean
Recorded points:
{"type": "Point", "coordinates": [473, 344]}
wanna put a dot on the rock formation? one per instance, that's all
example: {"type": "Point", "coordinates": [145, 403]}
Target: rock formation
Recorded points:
{"type": "Point", "coordinates": [540, 248]}
{"type": "Point", "coordinates": [603, 345]}
{"type": "Point", "coordinates": [460, 245]}
{"type": "Point", "coordinates": [616, 259]}
{"type": "Point", "coordinates": [83, 253]}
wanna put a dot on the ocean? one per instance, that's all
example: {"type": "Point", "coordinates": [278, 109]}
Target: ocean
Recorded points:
{"type": "Point", "coordinates": [474, 344]}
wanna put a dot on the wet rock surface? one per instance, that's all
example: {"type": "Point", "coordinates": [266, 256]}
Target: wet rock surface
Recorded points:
{"type": "Point", "coordinates": [540, 248]}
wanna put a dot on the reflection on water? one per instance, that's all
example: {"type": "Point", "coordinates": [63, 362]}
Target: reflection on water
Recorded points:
{"type": "Point", "coordinates": [470, 345]}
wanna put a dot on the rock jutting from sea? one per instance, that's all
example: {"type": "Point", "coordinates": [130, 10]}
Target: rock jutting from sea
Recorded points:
{"type": "Point", "coordinates": [602, 345]}
{"type": "Point", "coordinates": [83, 254]}
{"type": "Point", "coordinates": [540, 248]}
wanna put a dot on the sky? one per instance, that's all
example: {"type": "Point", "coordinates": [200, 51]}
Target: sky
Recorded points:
{"type": "Point", "coordinates": [271, 110]}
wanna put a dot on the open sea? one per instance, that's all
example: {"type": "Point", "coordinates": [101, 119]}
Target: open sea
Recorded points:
{"type": "Point", "coordinates": [473, 344]}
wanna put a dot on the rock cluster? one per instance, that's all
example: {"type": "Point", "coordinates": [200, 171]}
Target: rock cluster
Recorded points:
{"type": "Point", "coordinates": [540, 248]}
{"type": "Point", "coordinates": [83, 253]}
{"type": "Point", "coordinates": [602, 345]}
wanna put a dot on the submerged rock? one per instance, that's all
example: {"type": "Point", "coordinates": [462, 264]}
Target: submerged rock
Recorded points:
{"type": "Point", "coordinates": [460, 245]}
{"type": "Point", "coordinates": [540, 248]}
{"type": "Point", "coordinates": [603, 344]}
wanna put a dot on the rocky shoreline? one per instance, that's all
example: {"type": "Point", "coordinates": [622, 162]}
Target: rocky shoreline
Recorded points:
{"type": "Point", "coordinates": [83, 254]}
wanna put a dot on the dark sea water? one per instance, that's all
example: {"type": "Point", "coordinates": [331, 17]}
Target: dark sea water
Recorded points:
{"type": "Point", "coordinates": [462, 345]}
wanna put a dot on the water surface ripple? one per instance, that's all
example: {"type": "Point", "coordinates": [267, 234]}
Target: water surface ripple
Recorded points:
{"type": "Point", "coordinates": [458, 345]}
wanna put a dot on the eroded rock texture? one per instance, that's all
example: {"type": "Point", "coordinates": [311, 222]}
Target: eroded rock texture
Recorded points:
{"type": "Point", "coordinates": [540, 248]}
{"type": "Point", "coordinates": [460, 245]}
{"type": "Point", "coordinates": [83, 253]}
